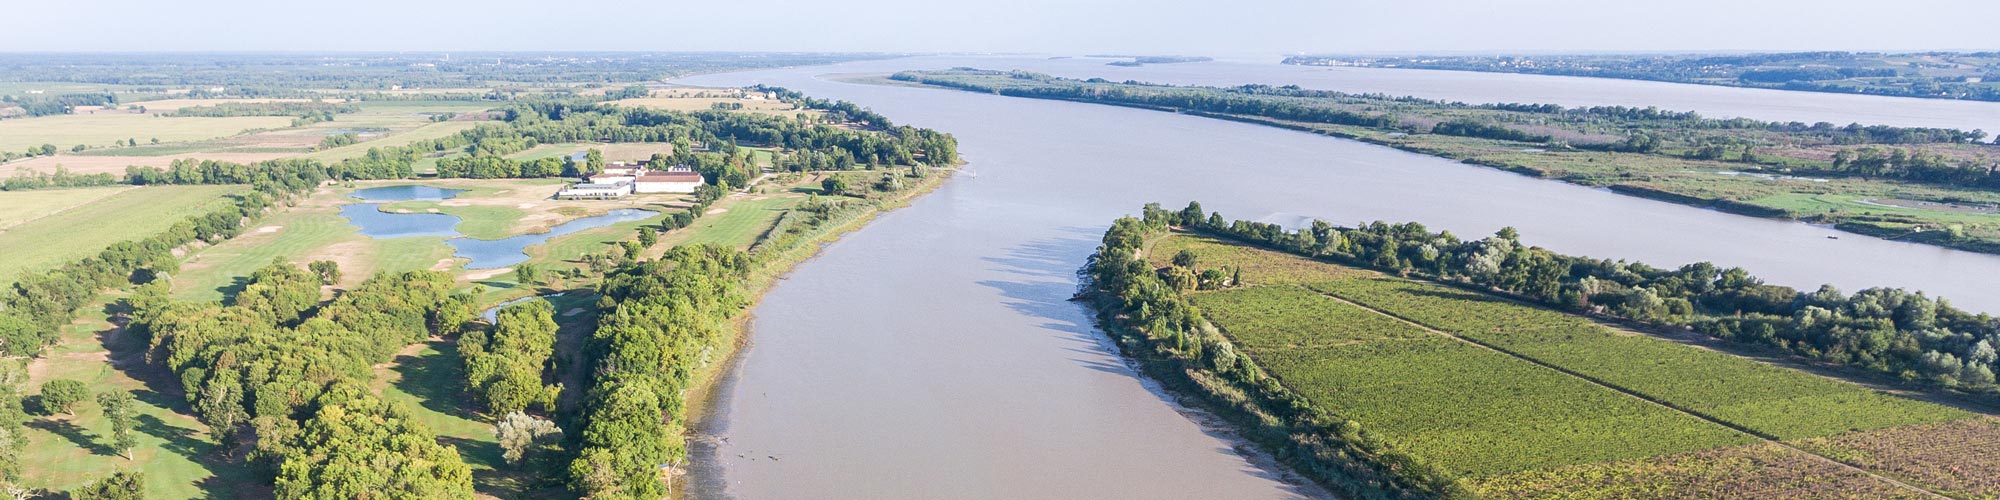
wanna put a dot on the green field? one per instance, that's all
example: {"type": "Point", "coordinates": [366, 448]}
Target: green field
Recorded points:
{"type": "Point", "coordinates": [1468, 410]}
{"type": "Point", "coordinates": [740, 226]}
{"type": "Point", "coordinates": [17, 207]}
{"type": "Point", "coordinates": [82, 231]}
{"type": "Point", "coordinates": [1778, 402]}
{"type": "Point", "coordinates": [1527, 402]}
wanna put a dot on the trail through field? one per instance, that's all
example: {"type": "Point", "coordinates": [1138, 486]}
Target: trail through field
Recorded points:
{"type": "Point", "coordinates": [1642, 397]}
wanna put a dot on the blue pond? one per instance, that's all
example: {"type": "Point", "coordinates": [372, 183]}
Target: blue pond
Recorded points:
{"type": "Point", "coordinates": [484, 254]}
{"type": "Point", "coordinates": [406, 193]}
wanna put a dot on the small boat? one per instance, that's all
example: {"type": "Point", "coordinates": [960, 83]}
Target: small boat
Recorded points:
{"type": "Point", "coordinates": [1832, 237]}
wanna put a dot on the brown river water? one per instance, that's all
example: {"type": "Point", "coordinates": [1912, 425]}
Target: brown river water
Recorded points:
{"type": "Point", "coordinates": [934, 355]}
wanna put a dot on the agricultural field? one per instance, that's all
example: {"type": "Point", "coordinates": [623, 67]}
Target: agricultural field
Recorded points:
{"type": "Point", "coordinates": [1765, 399]}
{"type": "Point", "coordinates": [1755, 471]}
{"type": "Point", "coordinates": [1955, 458]}
{"type": "Point", "coordinates": [103, 128]}
{"type": "Point", "coordinates": [1468, 410]}
{"type": "Point", "coordinates": [56, 234]}
{"type": "Point", "coordinates": [1428, 366]}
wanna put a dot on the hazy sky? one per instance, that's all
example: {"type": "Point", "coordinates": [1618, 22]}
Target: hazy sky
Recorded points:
{"type": "Point", "coordinates": [1224, 28]}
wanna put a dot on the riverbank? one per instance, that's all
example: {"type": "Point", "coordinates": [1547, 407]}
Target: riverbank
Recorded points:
{"type": "Point", "coordinates": [704, 398]}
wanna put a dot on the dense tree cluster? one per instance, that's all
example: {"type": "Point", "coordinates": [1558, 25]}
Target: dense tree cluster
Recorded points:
{"type": "Point", "coordinates": [1914, 165]}
{"type": "Point", "coordinates": [504, 365]}
{"type": "Point", "coordinates": [61, 104]}
{"type": "Point", "coordinates": [1887, 330]}
{"type": "Point", "coordinates": [291, 379]}
{"type": "Point", "coordinates": [662, 321]}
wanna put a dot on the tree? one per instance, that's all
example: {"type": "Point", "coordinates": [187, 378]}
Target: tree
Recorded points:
{"type": "Point", "coordinates": [63, 394]}
{"type": "Point", "coordinates": [118, 408]}
{"type": "Point", "coordinates": [528, 274]}
{"type": "Point", "coordinates": [118, 486]}
{"type": "Point", "coordinates": [328, 271]}
{"type": "Point", "coordinates": [504, 364]}
{"type": "Point", "coordinates": [13, 420]}
{"type": "Point", "coordinates": [648, 236]}
{"type": "Point", "coordinates": [1184, 258]}
{"type": "Point", "coordinates": [525, 439]}
{"type": "Point", "coordinates": [632, 249]}
{"type": "Point", "coordinates": [834, 184]}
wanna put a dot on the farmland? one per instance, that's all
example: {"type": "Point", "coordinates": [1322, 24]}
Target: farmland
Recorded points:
{"type": "Point", "coordinates": [1469, 410]}
{"type": "Point", "coordinates": [1562, 406]}
{"type": "Point", "coordinates": [54, 234]}
{"type": "Point", "coordinates": [102, 128]}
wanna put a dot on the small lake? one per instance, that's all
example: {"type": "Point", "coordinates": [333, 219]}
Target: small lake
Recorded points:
{"type": "Point", "coordinates": [489, 254]}
{"type": "Point", "coordinates": [406, 193]}
{"type": "Point", "coordinates": [484, 254]}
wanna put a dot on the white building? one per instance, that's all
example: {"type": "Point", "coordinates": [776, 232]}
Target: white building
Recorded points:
{"type": "Point", "coordinates": [667, 182]}
{"type": "Point", "coordinates": [595, 191]}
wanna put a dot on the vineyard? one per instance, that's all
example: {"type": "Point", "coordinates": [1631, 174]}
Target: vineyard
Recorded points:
{"type": "Point", "coordinates": [1766, 399]}
{"type": "Point", "coordinates": [1463, 408]}
{"type": "Point", "coordinates": [1757, 471]}
{"type": "Point", "coordinates": [1527, 402]}
{"type": "Point", "coordinates": [1960, 459]}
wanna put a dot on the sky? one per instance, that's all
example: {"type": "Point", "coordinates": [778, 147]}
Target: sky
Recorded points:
{"type": "Point", "coordinates": [1154, 27]}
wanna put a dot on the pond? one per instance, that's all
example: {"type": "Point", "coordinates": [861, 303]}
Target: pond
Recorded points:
{"type": "Point", "coordinates": [482, 254]}
{"type": "Point", "coordinates": [490, 254]}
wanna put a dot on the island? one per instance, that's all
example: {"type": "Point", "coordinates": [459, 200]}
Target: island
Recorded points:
{"type": "Point", "coordinates": [1931, 75]}
{"type": "Point", "coordinates": [1927, 185]}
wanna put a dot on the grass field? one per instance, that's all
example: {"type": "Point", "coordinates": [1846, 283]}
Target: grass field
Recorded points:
{"type": "Point", "coordinates": [175, 451]}
{"type": "Point", "coordinates": [105, 127]}
{"type": "Point", "coordinates": [1383, 351]}
{"type": "Point", "coordinates": [739, 227]}
{"type": "Point", "coordinates": [83, 230]}
{"type": "Point", "coordinates": [18, 207]}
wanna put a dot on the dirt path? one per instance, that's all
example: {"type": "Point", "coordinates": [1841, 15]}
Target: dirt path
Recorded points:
{"type": "Point", "coordinates": [1635, 394]}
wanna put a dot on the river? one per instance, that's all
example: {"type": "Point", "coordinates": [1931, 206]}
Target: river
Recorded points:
{"type": "Point", "coordinates": [932, 355]}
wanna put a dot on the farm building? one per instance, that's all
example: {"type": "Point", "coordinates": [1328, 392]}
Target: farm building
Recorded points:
{"type": "Point", "coordinates": [667, 182]}
{"type": "Point", "coordinates": [596, 191]}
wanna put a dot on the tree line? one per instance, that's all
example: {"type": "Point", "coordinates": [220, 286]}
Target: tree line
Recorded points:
{"type": "Point", "coordinates": [1891, 331]}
